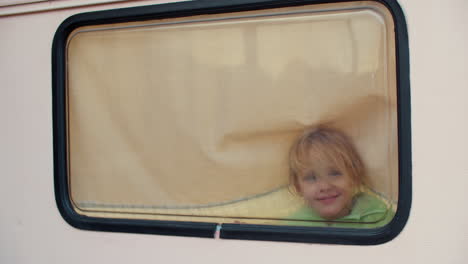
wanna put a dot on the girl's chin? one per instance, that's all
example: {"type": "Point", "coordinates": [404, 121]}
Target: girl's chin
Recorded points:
{"type": "Point", "coordinates": [332, 214]}
{"type": "Point", "coordinates": [330, 217]}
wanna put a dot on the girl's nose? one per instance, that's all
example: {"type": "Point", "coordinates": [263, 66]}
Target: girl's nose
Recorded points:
{"type": "Point", "coordinates": [323, 185]}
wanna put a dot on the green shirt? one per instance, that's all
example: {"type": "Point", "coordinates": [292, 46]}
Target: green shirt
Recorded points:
{"type": "Point", "coordinates": [368, 211]}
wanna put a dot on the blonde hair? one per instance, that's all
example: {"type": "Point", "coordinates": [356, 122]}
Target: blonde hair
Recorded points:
{"type": "Point", "coordinates": [322, 143]}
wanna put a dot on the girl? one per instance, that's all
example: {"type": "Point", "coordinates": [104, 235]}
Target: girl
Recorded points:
{"type": "Point", "coordinates": [327, 172]}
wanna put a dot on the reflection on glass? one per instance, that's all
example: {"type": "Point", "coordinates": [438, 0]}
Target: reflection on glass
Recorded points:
{"type": "Point", "coordinates": [192, 120]}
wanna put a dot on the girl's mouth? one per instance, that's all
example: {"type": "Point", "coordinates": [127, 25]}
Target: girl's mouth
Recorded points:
{"type": "Point", "coordinates": [328, 199]}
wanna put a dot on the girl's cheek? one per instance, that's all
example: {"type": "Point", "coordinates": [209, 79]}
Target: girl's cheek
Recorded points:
{"type": "Point", "coordinates": [310, 191]}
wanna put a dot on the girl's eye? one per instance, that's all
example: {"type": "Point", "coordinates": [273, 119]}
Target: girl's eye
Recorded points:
{"type": "Point", "coordinates": [310, 178]}
{"type": "Point", "coordinates": [334, 173]}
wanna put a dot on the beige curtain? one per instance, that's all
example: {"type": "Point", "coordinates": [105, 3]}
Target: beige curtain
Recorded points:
{"type": "Point", "coordinates": [198, 114]}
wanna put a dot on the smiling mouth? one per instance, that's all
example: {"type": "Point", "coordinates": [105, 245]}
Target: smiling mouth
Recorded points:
{"type": "Point", "coordinates": [328, 199]}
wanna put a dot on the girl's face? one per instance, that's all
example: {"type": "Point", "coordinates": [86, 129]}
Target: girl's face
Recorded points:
{"type": "Point", "coordinates": [327, 189]}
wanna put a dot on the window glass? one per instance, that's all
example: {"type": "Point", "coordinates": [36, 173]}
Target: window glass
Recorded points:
{"type": "Point", "coordinates": [194, 118]}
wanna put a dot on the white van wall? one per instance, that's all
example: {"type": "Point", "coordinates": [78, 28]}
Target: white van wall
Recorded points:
{"type": "Point", "coordinates": [32, 230]}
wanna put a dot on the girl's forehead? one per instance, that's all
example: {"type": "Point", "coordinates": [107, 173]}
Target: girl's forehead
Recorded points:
{"type": "Point", "coordinates": [320, 166]}
{"type": "Point", "coordinates": [320, 160]}
{"type": "Point", "coordinates": [322, 156]}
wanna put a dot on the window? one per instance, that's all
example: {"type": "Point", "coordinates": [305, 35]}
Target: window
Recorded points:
{"type": "Point", "coordinates": [181, 119]}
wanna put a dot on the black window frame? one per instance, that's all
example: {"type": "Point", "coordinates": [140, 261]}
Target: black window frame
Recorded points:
{"type": "Point", "coordinates": [351, 236]}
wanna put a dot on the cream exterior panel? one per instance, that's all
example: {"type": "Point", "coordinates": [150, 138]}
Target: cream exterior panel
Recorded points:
{"type": "Point", "coordinates": [32, 231]}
